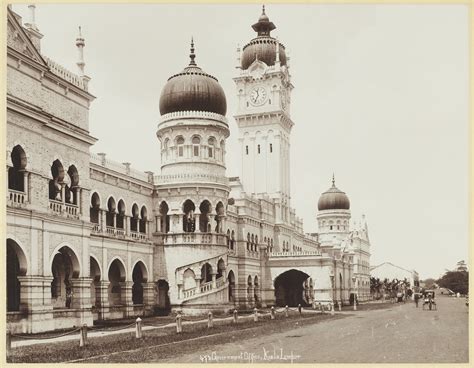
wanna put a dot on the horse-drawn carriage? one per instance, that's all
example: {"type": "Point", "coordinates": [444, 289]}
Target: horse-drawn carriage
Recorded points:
{"type": "Point", "coordinates": [428, 299]}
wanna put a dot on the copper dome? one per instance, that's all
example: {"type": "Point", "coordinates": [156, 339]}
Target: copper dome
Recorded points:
{"type": "Point", "coordinates": [193, 90]}
{"type": "Point", "coordinates": [263, 47]}
{"type": "Point", "coordinates": [333, 199]}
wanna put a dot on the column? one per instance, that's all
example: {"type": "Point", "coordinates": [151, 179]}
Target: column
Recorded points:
{"type": "Point", "coordinates": [126, 225]}
{"type": "Point", "coordinates": [126, 297]}
{"type": "Point", "coordinates": [102, 296]}
{"type": "Point", "coordinates": [198, 284]}
{"type": "Point", "coordinates": [149, 296]}
{"type": "Point", "coordinates": [197, 228]}
{"type": "Point", "coordinates": [213, 280]}
{"type": "Point", "coordinates": [35, 300]}
{"type": "Point", "coordinates": [81, 293]}
{"type": "Point", "coordinates": [26, 185]}
{"type": "Point", "coordinates": [159, 225]}
{"type": "Point", "coordinates": [102, 220]}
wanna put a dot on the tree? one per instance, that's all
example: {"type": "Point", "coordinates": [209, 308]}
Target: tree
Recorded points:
{"type": "Point", "coordinates": [429, 283]}
{"type": "Point", "coordinates": [457, 281]}
{"type": "Point", "coordinates": [461, 266]}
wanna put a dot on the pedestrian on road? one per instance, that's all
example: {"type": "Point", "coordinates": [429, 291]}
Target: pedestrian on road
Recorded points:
{"type": "Point", "coordinates": [417, 296]}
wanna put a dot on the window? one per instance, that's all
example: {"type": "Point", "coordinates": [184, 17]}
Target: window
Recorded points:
{"type": "Point", "coordinates": [196, 142]}
{"type": "Point", "coordinates": [330, 227]}
{"type": "Point", "coordinates": [211, 143]}
{"type": "Point", "coordinates": [180, 143]}
{"type": "Point", "coordinates": [271, 148]}
{"type": "Point", "coordinates": [258, 148]}
{"type": "Point", "coordinates": [247, 150]}
{"type": "Point", "coordinates": [269, 101]}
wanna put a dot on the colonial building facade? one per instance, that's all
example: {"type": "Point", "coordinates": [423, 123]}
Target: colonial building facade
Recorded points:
{"type": "Point", "coordinates": [91, 239]}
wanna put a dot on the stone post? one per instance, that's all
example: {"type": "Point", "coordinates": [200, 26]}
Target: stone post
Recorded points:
{"type": "Point", "coordinates": [214, 285]}
{"type": "Point", "coordinates": [102, 296]}
{"type": "Point", "coordinates": [198, 285]}
{"type": "Point", "coordinates": [138, 328]}
{"type": "Point", "coordinates": [197, 213]}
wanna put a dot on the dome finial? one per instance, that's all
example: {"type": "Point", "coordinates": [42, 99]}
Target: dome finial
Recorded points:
{"type": "Point", "coordinates": [192, 55]}
{"type": "Point", "coordinates": [263, 9]}
{"type": "Point", "coordinates": [333, 181]}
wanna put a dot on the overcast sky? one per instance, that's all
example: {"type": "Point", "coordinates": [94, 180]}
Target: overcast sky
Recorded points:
{"type": "Point", "coordinates": [380, 98]}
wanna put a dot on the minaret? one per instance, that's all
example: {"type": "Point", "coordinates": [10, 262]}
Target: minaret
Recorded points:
{"type": "Point", "coordinates": [32, 29]}
{"type": "Point", "coordinates": [80, 43]}
{"type": "Point", "coordinates": [333, 216]}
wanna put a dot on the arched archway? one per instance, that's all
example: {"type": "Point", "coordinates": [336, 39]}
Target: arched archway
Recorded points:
{"type": "Point", "coordinates": [206, 273]}
{"type": "Point", "coordinates": [55, 184]}
{"type": "Point", "coordinates": [116, 275]}
{"type": "Point", "coordinates": [163, 303]}
{"type": "Point", "coordinates": [188, 216]}
{"type": "Point", "coordinates": [95, 274]}
{"type": "Point", "coordinates": [143, 220]}
{"type": "Point", "coordinates": [139, 277]}
{"type": "Point", "coordinates": [64, 267]}
{"type": "Point", "coordinates": [231, 280]}
{"type": "Point", "coordinates": [289, 288]}
{"type": "Point", "coordinates": [256, 290]}
{"type": "Point", "coordinates": [165, 218]}
{"type": "Point", "coordinates": [135, 217]}
{"type": "Point", "coordinates": [249, 288]}
{"type": "Point", "coordinates": [95, 208]}
{"type": "Point", "coordinates": [204, 217]}
{"type": "Point", "coordinates": [220, 268]}
{"type": "Point", "coordinates": [16, 177]}
{"type": "Point", "coordinates": [111, 212]}
{"type": "Point", "coordinates": [120, 216]}
{"type": "Point", "coordinates": [16, 266]}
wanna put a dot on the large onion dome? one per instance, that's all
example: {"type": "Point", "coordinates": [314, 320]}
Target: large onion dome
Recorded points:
{"type": "Point", "coordinates": [193, 90]}
{"type": "Point", "coordinates": [263, 47]}
{"type": "Point", "coordinates": [333, 199]}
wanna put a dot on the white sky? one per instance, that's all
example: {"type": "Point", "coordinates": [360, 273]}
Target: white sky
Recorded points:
{"type": "Point", "coordinates": [380, 98]}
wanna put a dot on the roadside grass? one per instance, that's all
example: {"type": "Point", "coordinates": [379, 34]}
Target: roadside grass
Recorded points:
{"type": "Point", "coordinates": [158, 344]}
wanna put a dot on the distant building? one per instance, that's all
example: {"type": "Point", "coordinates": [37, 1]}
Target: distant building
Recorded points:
{"type": "Point", "coordinates": [390, 271]}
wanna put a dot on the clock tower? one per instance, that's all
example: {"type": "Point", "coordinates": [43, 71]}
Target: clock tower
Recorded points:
{"type": "Point", "coordinates": [263, 88]}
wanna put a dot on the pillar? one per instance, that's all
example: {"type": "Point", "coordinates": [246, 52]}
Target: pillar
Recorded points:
{"type": "Point", "coordinates": [159, 224]}
{"type": "Point", "coordinates": [126, 225]}
{"type": "Point", "coordinates": [197, 227]}
{"type": "Point", "coordinates": [102, 220]}
{"type": "Point", "coordinates": [35, 301]}
{"type": "Point", "coordinates": [149, 295]}
{"type": "Point", "coordinates": [198, 284]}
{"type": "Point", "coordinates": [126, 297]}
{"type": "Point", "coordinates": [25, 183]}
{"type": "Point", "coordinates": [213, 280]}
{"type": "Point", "coordinates": [102, 296]}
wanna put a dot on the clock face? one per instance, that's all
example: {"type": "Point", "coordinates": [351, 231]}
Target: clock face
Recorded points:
{"type": "Point", "coordinates": [258, 96]}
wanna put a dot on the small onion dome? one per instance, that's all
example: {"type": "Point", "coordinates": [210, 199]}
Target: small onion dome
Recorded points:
{"type": "Point", "coordinates": [263, 47]}
{"type": "Point", "coordinates": [193, 90]}
{"type": "Point", "coordinates": [333, 199]}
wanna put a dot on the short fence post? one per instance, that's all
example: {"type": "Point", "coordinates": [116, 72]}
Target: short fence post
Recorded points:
{"type": "Point", "coordinates": [355, 305]}
{"type": "Point", "coordinates": [179, 328]}
{"type": "Point", "coordinates": [332, 309]}
{"type": "Point", "coordinates": [321, 308]}
{"type": "Point", "coordinates": [83, 335]}
{"type": "Point", "coordinates": [235, 316]}
{"type": "Point", "coordinates": [286, 311]}
{"type": "Point", "coordinates": [9, 342]}
{"type": "Point", "coordinates": [272, 313]}
{"type": "Point", "coordinates": [255, 315]}
{"type": "Point", "coordinates": [138, 328]}
{"type": "Point", "coordinates": [299, 308]}
{"type": "Point", "coordinates": [340, 305]}
{"type": "Point", "coordinates": [209, 320]}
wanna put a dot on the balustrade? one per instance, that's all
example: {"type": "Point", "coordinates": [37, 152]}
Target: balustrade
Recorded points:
{"type": "Point", "coordinates": [16, 197]}
{"type": "Point", "coordinates": [56, 206]}
{"type": "Point", "coordinates": [72, 210]}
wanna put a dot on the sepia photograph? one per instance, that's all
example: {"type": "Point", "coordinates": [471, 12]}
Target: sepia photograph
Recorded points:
{"type": "Point", "coordinates": [237, 183]}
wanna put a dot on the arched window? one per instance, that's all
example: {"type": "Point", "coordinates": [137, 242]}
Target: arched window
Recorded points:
{"type": "Point", "coordinates": [143, 220]}
{"type": "Point", "coordinates": [165, 218]}
{"type": "Point", "coordinates": [135, 217]}
{"type": "Point", "coordinates": [211, 148]}
{"type": "Point", "coordinates": [121, 215]}
{"type": "Point", "coordinates": [189, 224]}
{"type": "Point", "coordinates": [180, 144]}
{"type": "Point", "coordinates": [252, 245]}
{"type": "Point", "coordinates": [232, 242]}
{"type": "Point", "coordinates": [55, 184]}
{"type": "Point", "coordinates": [71, 190]}
{"type": "Point", "coordinates": [248, 241]}
{"type": "Point", "coordinates": [95, 208]}
{"type": "Point", "coordinates": [16, 177]}
{"type": "Point", "coordinates": [110, 215]}
{"type": "Point", "coordinates": [196, 145]}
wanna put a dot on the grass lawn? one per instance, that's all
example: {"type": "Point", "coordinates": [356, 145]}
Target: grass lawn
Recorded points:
{"type": "Point", "coordinates": [124, 348]}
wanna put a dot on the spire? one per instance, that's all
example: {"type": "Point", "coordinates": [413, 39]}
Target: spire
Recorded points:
{"type": "Point", "coordinates": [192, 55]}
{"type": "Point", "coordinates": [263, 27]}
{"type": "Point", "coordinates": [32, 21]}
{"type": "Point", "coordinates": [333, 181]}
{"type": "Point", "coordinates": [80, 48]}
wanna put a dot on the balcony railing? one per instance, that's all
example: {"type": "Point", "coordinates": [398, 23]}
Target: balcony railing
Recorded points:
{"type": "Point", "coordinates": [189, 293]}
{"type": "Point", "coordinates": [194, 238]}
{"type": "Point", "coordinates": [137, 235]}
{"type": "Point", "coordinates": [72, 210]}
{"type": "Point", "coordinates": [114, 232]}
{"type": "Point", "coordinates": [17, 197]}
{"type": "Point", "coordinates": [303, 253]}
{"type": "Point", "coordinates": [206, 287]}
{"type": "Point", "coordinates": [220, 281]}
{"type": "Point", "coordinates": [56, 206]}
